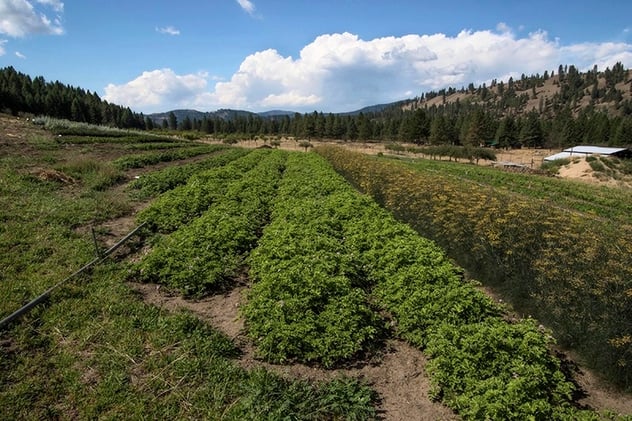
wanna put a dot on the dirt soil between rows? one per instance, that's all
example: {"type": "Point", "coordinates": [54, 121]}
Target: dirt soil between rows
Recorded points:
{"type": "Point", "coordinates": [398, 377]}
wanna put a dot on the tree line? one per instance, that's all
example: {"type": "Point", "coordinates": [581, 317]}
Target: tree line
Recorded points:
{"type": "Point", "coordinates": [453, 124]}
{"type": "Point", "coordinates": [19, 93]}
{"type": "Point", "coordinates": [494, 115]}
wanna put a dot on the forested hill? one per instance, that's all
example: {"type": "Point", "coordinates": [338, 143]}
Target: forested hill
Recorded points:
{"type": "Point", "coordinates": [560, 108]}
{"type": "Point", "coordinates": [19, 93]}
{"type": "Point", "coordinates": [549, 93]}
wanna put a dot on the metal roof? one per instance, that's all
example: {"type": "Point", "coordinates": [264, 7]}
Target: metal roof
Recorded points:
{"type": "Point", "coordinates": [584, 150]}
{"type": "Point", "coordinates": [596, 150]}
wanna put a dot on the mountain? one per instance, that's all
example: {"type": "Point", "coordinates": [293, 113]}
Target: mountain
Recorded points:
{"type": "Point", "coordinates": [181, 115]}
{"type": "Point", "coordinates": [378, 108]}
{"type": "Point", "coordinates": [276, 113]}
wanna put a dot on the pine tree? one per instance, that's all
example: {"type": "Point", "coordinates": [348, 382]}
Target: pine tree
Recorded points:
{"type": "Point", "coordinates": [506, 134]}
{"type": "Point", "coordinates": [173, 121]}
{"type": "Point", "coordinates": [531, 133]}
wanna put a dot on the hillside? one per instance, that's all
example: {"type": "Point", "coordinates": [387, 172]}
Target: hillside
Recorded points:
{"type": "Point", "coordinates": [609, 91]}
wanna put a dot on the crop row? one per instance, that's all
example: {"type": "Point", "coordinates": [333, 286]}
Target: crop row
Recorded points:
{"type": "Point", "coordinates": [600, 201]}
{"type": "Point", "coordinates": [571, 271]}
{"type": "Point", "coordinates": [141, 160]}
{"type": "Point", "coordinates": [186, 202]}
{"type": "Point", "coordinates": [158, 182]}
{"type": "Point", "coordinates": [209, 251]}
{"type": "Point", "coordinates": [307, 302]}
{"type": "Point", "coordinates": [329, 253]}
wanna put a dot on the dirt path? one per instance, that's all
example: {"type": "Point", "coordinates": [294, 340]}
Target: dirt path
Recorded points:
{"type": "Point", "coordinates": [399, 377]}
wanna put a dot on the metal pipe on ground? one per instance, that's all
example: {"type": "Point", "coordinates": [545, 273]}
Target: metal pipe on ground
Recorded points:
{"type": "Point", "coordinates": [44, 296]}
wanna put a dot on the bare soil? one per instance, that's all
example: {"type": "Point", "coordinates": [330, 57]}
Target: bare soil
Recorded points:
{"type": "Point", "coordinates": [398, 377]}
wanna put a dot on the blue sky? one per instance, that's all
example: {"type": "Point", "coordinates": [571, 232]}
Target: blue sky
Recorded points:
{"type": "Point", "coordinates": [329, 56]}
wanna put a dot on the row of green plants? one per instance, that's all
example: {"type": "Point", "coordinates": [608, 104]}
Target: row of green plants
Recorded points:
{"type": "Point", "coordinates": [157, 182]}
{"type": "Point", "coordinates": [146, 146]}
{"type": "Point", "coordinates": [571, 271]}
{"type": "Point", "coordinates": [132, 138]}
{"type": "Point", "coordinates": [179, 206]}
{"type": "Point", "coordinates": [308, 303]}
{"type": "Point", "coordinates": [207, 253]}
{"type": "Point", "coordinates": [142, 160]}
{"type": "Point", "coordinates": [601, 201]}
{"type": "Point", "coordinates": [332, 263]}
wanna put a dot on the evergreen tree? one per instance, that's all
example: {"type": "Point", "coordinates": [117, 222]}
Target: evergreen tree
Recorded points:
{"type": "Point", "coordinates": [506, 134]}
{"type": "Point", "coordinates": [439, 133]}
{"type": "Point", "coordinates": [623, 133]}
{"type": "Point", "coordinates": [173, 121]}
{"type": "Point", "coordinates": [531, 133]}
{"type": "Point", "coordinates": [475, 135]}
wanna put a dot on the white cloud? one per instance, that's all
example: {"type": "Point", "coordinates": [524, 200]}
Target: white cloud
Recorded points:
{"type": "Point", "coordinates": [247, 5]}
{"type": "Point", "coordinates": [20, 55]}
{"type": "Point", "coordinates": [342, 72]}
{"type": "Point", "coordinates": [2, 42]}
{"type": "Point", "coordinates": [156, 89]}
{"type": "Point", "coordinates": [169, 30]}
{"type": "Point", "coordinates": [19, 18]}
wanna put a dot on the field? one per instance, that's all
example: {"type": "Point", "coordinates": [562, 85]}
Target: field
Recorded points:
{"type": "Point", "coordinates": [264, 286]}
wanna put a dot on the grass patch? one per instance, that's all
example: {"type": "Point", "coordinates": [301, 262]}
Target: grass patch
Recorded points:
{"type": "Point", "coordinates": [553, 167]}
{"type": "Point", "coordinates": [596, 165]}
{"type": "Point", "coordinates": [94, 173]}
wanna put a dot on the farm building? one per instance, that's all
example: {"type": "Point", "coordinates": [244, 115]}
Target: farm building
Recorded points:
{"type": "Point", "coordinates": [584, 151]}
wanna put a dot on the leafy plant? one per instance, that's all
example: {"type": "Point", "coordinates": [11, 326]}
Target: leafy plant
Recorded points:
{"type": "Point", "coordinates": [206, 253]}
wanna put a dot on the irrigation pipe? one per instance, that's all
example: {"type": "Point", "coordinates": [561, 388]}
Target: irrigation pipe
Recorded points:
{"type": "Point", "coordinates": [26, 308]}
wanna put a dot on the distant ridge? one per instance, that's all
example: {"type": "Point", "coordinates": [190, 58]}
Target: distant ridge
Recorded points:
{"type": "Point", "coordinates": [276, 113]}
{"type": "Point", "coordinates": [229, 114]}
{"type": "Point", "coordinates": [225, 114]}
{"type": "Point", "coordinates": [378, 108]}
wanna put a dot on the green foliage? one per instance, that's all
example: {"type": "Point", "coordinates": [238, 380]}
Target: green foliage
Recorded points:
{"type": "Point", "coordinates": [208, 252]}
{"type": "Point", "coordinates": [553, 167]}
{"type": "Point", "coordinates": [457, 152]}
{"type": "Point", "coordinates": [139, 161]}
{"type": "Point", "coordinates": [305, 144]}
{"type": "Point", "coordinates": [167, 179]}
{"type": "Point", "coordinates": [497, 370]}
{"type": "Point", "coordinates": [96, 174]}
{"type": "Point", "coordinates": [186, 202]}
{"type": "Point", "coordinates": [306, 303]}
{"type": "Point", "coordinates": [571, 270]}
{"type": "Point", "coordinates": [269, 397]}
{"type": "Point", "coordinates": [597, 165]}
{"type": "Point", "coordinates": [395, 147]}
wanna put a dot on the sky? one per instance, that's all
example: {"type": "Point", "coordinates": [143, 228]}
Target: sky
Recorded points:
{"type": "Point", "coordinates": [325, 55]}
